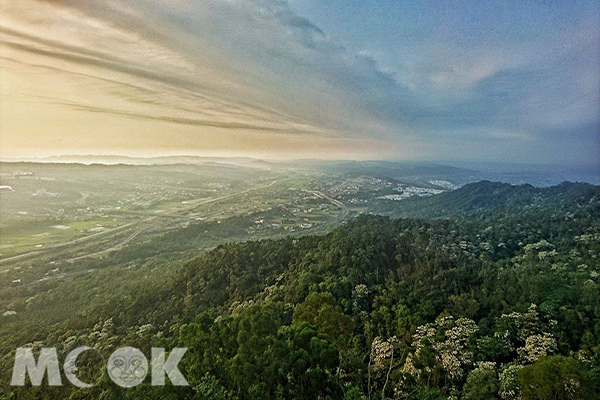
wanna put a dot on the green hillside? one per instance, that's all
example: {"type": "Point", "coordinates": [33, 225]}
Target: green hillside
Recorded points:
{"type": "Point", "coordinates": [485, 195]}
{"type": "Point", "coordinates": [501, 300]}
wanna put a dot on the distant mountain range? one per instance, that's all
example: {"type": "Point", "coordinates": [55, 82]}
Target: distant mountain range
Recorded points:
{"type": "Point", "coordinates": [408, 171]}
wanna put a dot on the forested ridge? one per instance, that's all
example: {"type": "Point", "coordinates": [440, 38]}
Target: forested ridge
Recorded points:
{"type": "Point", "coordinates": [500, 299]}
{"type": "Point", "coordinates": [486, 195]}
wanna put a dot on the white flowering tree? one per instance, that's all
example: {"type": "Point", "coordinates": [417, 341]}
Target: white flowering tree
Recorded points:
{"type": "Point", "coordinates": [441, 352]}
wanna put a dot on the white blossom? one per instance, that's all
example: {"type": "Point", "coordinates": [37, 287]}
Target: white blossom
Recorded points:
{"type": "Point", "coordinates": [537, 346]}
{"type": "Point", "coordinates": [450, 351]}
{"type": "Point", "coordinates": [509, 385]}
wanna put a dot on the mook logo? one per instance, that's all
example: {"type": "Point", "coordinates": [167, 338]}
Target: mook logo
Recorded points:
{"type": "Point", "coordinates": [127, 367]}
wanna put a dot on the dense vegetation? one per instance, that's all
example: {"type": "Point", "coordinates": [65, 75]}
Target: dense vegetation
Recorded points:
{"type": "Point", "coordinates": [500, 301]}
{"type": "Point", "coordinates": [483, 195]}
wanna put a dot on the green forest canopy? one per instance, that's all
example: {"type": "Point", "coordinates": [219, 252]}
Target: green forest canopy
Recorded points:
{"type": "Point", "coordinates": [501, 300]}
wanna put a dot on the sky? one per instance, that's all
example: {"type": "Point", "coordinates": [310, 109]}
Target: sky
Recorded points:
{"type": "Point", "coordinates": [506, 81]}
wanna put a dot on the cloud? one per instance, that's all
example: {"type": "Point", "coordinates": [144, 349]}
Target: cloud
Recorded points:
{"type": "Point", "coordinates": [259, 67]}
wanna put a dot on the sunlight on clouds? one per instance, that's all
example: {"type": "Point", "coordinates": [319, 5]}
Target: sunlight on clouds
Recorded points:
{"type": "Point", "coordinates": [257, 77]}
{"type": "Point", "coordinates": [88, 66]}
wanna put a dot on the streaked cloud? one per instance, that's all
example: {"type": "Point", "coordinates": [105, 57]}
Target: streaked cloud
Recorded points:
{"type": "Point", "coordinates": [227, 74]}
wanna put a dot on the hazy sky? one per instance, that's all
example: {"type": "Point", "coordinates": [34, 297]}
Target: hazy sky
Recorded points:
{"type": "Point", "coordinates": [457, 80]}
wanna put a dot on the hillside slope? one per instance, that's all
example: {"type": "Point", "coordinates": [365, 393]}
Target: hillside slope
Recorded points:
{"type": "Point", "coordinates": [487, 196]}
{"type": "Point", "coordinates": [496, 303]}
